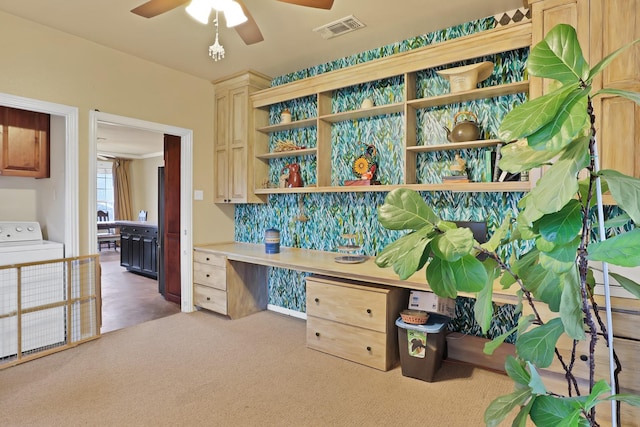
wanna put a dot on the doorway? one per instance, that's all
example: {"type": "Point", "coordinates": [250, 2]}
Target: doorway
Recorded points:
{"type": "Point", "coordinates": [186, 188]}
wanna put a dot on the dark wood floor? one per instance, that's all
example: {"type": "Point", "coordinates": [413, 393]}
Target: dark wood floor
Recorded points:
{"type": "Point", "coordinates": [128, 298]}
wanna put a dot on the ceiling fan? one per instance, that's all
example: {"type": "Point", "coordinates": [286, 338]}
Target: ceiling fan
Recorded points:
{"type": "Point", "coordinates": [248, 31]}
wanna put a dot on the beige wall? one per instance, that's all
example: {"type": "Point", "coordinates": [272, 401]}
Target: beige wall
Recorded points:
{"type": "Point", "coordinates": [144, 181]}
{"type": "Point", "coordinates": [44, 64]}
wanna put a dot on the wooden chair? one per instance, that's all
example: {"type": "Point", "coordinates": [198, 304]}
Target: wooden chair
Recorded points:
{"type": "Point", "coordinates": [106, 235]}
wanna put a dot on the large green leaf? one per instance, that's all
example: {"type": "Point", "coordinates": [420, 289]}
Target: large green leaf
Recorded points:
{"type": "Point", "coordinates": [412, 253]}
{"type": "Point", "coordinates": [491, 346]}
{"type": "Point", "coordinates": [631, 399]}
{"type": "Point", "coordinates": [627, 284]}
{"type": "Point", "coordinates": [518, 157]}
{"type": "Point", "coordinates": [515, 369]}
{"type": "Point", "coordinates": [503, 405]}
{"type": "Point", "coordinates": [453, 244]}
{"type": "Point", "coordinates": [622, 250]}
{"type": "Point", "coordinates": [501, 233]}
{"type": "Point", "coordinates": [557, 411]}
{"type": "Point", "coordinates": [634, 96]}
{"type": "Point", "coordinates": [570, 120]}
{"type": "Point", "coordinates": [559, 56]}
{"type": "Point", "coordinates": [571, 307]}
{"type": "Point", "coordinates": [608, 59]}
{"type": "Point", "coordinates": [625, 191]}
{"type": "Point", "coordinates": [413, 244]}
{"type": "Point", "coordinates": [538, 345]}
{"type": "Point", "coordinates": [559, 183]}
{"type": "Point", "coordinates": [535, 382]}
{"type": "Point", "coordinates": [545, 285]}
{"type": "Point", "coordinates": [440, 278]}
{"type": "Point", "coordinates": [469, 274]}
{"type": "Point", "coordinates": [563, 226]}
{"type": "Point", "coordinates": [483, 308]}
{"type": "Point", "coordinates": [561, 258]}
{"type": "Point", "coordinates": [527, 118]}
{"type": "Point", "coordinates": [522, 419]}
{"type": "Point", "coordinates": [600, 387]}
{"type": "Point", "coordinates": [404, 209]}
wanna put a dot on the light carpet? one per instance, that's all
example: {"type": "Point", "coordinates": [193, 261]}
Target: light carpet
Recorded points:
{"type": "Point", "coordinates": [202, 369]}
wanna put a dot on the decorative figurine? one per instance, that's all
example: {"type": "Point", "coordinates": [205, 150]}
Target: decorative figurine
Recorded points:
{"type": "Point", "coordinates": [366, 166]}
{"type": "Point", "coordinates": [458, 166]}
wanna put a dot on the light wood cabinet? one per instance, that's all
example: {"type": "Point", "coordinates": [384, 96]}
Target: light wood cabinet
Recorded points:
{"type": "Point", "coordinates": [354, 321]}
{"type": "Point", "coordinates": [226, 287]}
{"type": "Point", "coordinates": [602, 27]}
{"type": "Point", "coordinates": [233, 141]}
{"type": "Point", "coordinates": [404, 68]}
{"type": "Point", "coordinates": [24, 143]}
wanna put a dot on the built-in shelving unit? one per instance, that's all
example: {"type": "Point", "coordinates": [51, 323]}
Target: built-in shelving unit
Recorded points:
{"type": "Point", "coordinates": [404, 67]}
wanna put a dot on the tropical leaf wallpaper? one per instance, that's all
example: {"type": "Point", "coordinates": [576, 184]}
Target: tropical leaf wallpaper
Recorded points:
{"type": "Point", "coordinates": [333, 214]}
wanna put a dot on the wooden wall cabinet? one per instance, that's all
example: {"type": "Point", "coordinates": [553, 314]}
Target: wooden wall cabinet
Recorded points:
{"type": "Point", "coordinates": [233, 137]}
{"type": "Point", "coordinates": [602, 27]}
{"type": "Point", "coordinates": [24, 143]}
{"type": "Point", "coordinates": [404, 66]}
{"type": "Point", "coordinates": [139, 249]}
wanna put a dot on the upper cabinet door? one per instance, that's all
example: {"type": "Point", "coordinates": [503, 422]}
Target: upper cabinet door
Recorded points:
{"type": "Point", "coordinates": [24, 143]}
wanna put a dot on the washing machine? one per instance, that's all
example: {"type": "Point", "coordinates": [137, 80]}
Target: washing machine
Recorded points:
{"type": "Point", "coordinates": [42, 327]}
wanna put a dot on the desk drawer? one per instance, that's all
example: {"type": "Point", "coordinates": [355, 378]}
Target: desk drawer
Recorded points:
{"type": "Point", "coordinates": [348, 342]}
{"type": "Point", "coordinates": [210, 259]}
{"type": "Point", "coordinates": [210, 298]}
{"type": "Point", "coordinates": [355, 305]}
{"type": "Point", "coordinates": [208, 275]}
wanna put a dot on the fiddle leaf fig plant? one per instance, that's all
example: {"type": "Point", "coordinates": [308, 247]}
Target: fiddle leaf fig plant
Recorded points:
{"type": "Point", "coordinates": [550, 250]}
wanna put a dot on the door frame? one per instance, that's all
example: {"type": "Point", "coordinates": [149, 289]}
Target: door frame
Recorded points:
{"type": "Point", "coordinates": [186, 189]}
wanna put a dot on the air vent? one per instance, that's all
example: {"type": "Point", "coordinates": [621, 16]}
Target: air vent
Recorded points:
{"type": "Point", "coordinates": [339, 27]}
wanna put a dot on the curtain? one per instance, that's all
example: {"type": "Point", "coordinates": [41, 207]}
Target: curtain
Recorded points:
{"type": "Point", "coordinates": [122, 190]}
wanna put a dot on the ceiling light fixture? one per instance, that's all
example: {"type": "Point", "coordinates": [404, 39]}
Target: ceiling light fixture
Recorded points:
{"type": "Point", "coordinates": [216, 51]}
{"type": "Point", "coordinates": [200, 10]}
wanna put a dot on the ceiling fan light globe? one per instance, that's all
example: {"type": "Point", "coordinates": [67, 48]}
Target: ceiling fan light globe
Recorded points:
{"type": "Point", "coordinates": [199, 10]}
{"type": "Point", "coordinates": [234, 15]}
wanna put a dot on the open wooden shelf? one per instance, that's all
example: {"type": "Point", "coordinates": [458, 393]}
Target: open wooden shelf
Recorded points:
{"type": "Point", "coordinates": [470, 95]}
{"type": "Point", "coordinates": [290, 153]}
{"type": "Point", "coordinates": [364, 112]}
{"type": "Point", "coordinates": [296, 124]}
{"type": "Point", "coordinates": [455, 145]}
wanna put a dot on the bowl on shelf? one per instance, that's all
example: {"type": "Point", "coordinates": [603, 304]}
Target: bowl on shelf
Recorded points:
{"type": "Point", "coordinates": [467, 77]}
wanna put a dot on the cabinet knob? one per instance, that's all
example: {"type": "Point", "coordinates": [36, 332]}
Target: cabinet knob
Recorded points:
{"type": "Point", "coordinates": [368, 348]}
{"type": "Point", "coordinates": [208, 258]}
{"type": "Point", "coordinates": [317, 334]}
{"type": "Point", "coordinates": [368, 311]}
{"type": "Point", "coordinates": [584, 357]}
{"type": "Point", "coordinates": [208, 298]}
{"type": "Point", "coordinates": [208, 275]}
{"type": "Point", "coordinates": [316, 299]}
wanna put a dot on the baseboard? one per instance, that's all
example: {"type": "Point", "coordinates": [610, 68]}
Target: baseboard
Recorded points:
{"type": "Point", "coordinates": [287, 311]}
{"type": "Point", "coordinates": [469, 349]}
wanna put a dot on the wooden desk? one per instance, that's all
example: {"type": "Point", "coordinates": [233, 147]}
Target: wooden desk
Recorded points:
{"type": "Point", "coordinates": [323, 263]}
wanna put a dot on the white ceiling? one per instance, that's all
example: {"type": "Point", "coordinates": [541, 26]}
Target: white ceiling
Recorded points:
{"type": "Point", "coordinates": [177, 41]}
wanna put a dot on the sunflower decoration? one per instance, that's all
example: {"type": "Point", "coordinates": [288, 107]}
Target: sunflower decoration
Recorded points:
{"type": "Point", "coordinates": [365, 166]}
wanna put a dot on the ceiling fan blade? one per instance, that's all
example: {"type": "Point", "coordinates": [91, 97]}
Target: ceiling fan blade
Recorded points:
{"type": "Point", "coordinates": [318, 4]}
{"type": "Point", "coordinates": [156, 7]}
{"type": "Point", "coordinates": [248, 31]}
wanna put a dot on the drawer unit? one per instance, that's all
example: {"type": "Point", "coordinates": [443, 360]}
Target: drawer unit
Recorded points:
{"type": "Point", "coordinates": [210, 281]}
{"type": "Point", "coordinates": [354, 320]}
{"type": "Point", "coordinates": [231, 288]}
{"type": "Point", "coordinates": [210, 298]}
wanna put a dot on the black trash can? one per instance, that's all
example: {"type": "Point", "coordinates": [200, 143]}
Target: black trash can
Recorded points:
{"type": "Point", "coordinates": [421, 347]}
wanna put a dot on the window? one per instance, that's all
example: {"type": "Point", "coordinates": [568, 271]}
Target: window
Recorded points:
{"type": "Point", "coordinates": [105, 195]}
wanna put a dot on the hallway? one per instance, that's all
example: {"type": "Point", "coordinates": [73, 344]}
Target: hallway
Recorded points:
{"type": "Point", "coordinates": [128, 298]}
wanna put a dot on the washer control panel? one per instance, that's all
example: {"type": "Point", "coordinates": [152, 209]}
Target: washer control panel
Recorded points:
{"type": "Point", "coordinates": [20, 231]}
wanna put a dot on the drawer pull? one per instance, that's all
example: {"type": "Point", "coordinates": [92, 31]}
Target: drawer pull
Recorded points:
{"type": "Point", "coordinates": [208, 258]}
{"type": "Point", "coordinates": [584, 357]}
{"type": "Point", "coordinates": [368, 348]}
{"type": "Point", "coordinates": [208, 298]}
{"type": "Point", "coordinates": [317, 299]}
{"type": "Point", "coordinates": [317, 334]}
{"type": "Point", "coordinates": [368, 311]}
{"type": "Point", "coordinates": [208, 275]}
